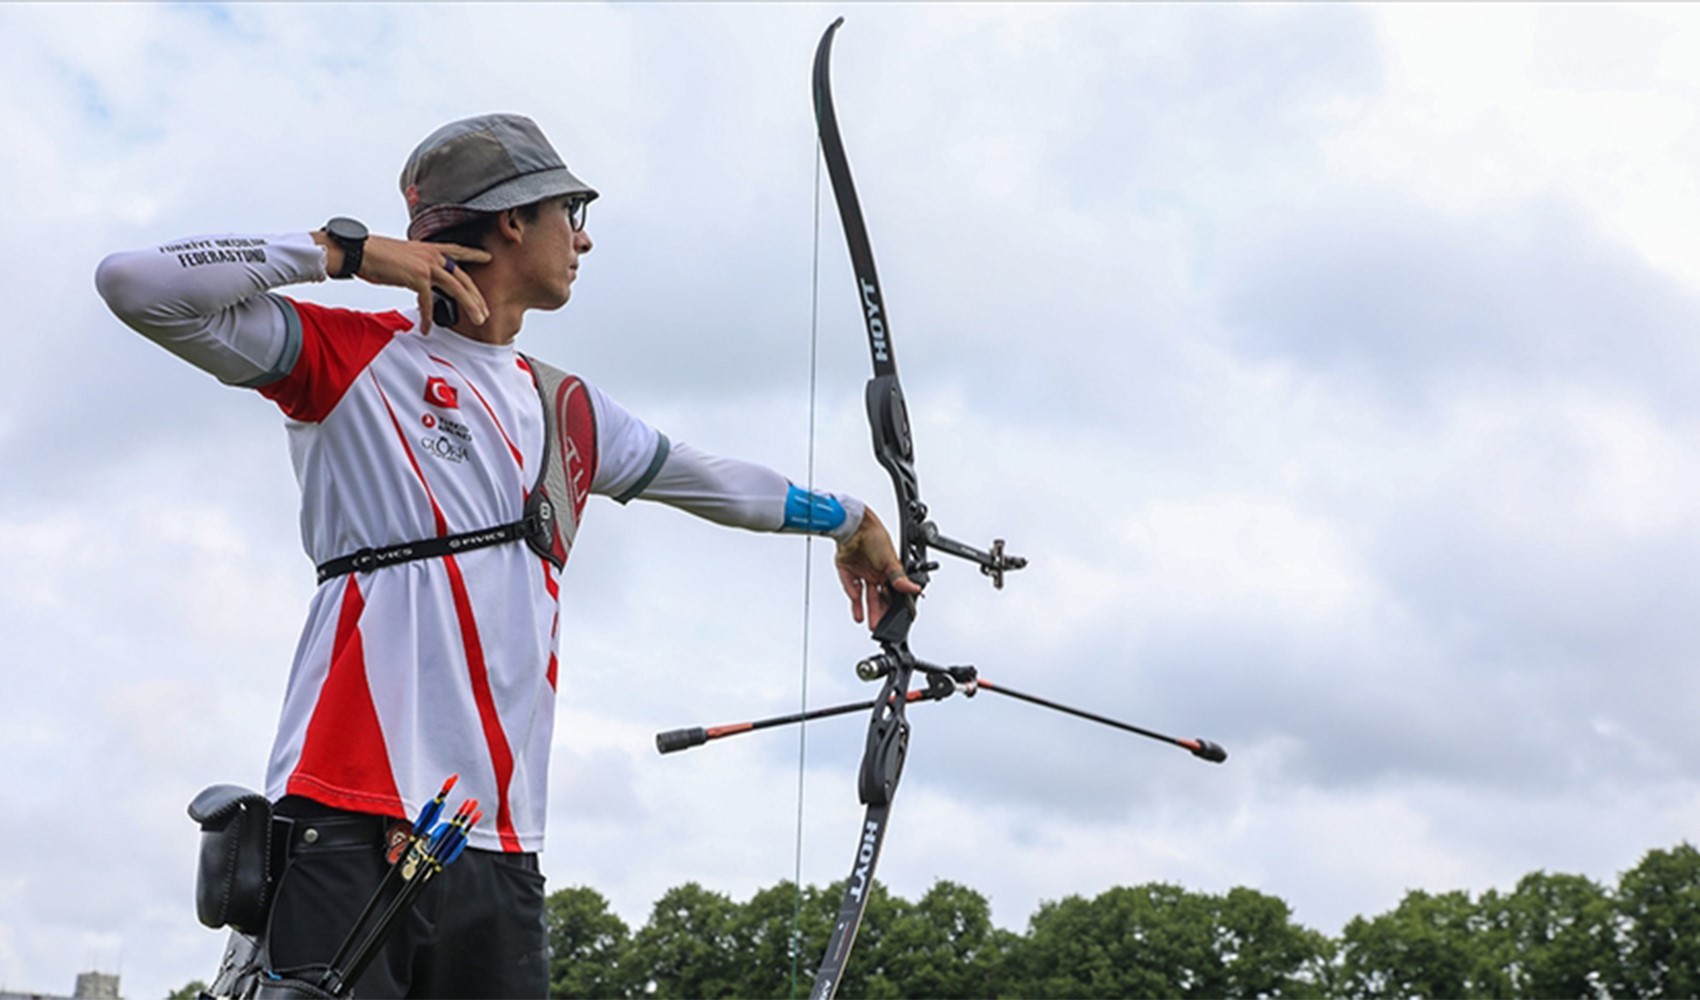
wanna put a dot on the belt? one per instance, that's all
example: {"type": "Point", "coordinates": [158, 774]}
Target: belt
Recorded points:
{"type": "Point", "coordinates": [324, 833]}
{"type": "Point", "coordinates": [316, 827]}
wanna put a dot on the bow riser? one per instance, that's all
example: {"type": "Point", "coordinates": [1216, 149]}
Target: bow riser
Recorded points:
{"type": "Point", "coordinates": [894, 448]}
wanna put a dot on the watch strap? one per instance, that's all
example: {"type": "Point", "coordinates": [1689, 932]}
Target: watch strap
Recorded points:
{"type": "Point", "coordinates": [353, 255]}
{"type": "Point", "coordinates": [353, 247]}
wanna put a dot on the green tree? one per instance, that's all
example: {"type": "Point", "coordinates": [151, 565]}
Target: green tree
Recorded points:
{"type": "Point", "coordinates": [588, 946]}
{"type": "Point", "coordinates": [688, 948]}
{"type": "Point", "coordinates": [1161, 940]}
{"type": "Point", "coordinates": [1265, 954]}
{"type": "Point", "coordinates": [1153, 940]}
{"type": "Point", "coordinates": [1658, 904]}
{"type": "Point", "coordinates": [188, 991]}
{"type": "Point", "coordinates": [868, 973]}
{"type": "Point", "coordinates": [1427, 946]}
{"type": "Point", "coordinates": [1555, 935]}
{"type": "Point", "coordinates": [780, 938]}
{"type": "Point", "coordinates": [942, 946]}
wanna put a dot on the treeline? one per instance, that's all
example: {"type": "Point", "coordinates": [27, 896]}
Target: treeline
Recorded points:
{"type": "Point", "coordinates": [1554, 935]}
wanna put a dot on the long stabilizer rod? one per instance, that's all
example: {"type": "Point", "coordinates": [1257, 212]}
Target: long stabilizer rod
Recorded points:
{"type": "Point", "coordinates": [696, 736]}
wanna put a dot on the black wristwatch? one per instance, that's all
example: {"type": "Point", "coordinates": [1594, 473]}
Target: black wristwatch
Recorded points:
{"type": "Point", "coordinates": [350, 235]}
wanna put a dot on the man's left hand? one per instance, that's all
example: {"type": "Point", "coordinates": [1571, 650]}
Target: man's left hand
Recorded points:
{"type": "Point", "coordinates": [870, 570]}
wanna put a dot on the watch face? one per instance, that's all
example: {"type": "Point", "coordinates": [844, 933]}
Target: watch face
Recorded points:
{"type": "Point", "coordinates": [346, 229]}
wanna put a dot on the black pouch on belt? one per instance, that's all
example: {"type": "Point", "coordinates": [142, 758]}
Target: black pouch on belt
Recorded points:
{"type": "Point", "coordinates": [234, 880]}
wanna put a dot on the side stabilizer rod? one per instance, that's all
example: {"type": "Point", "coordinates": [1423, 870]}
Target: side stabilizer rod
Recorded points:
{"type": "Point", "coordinates": [1200, 748]}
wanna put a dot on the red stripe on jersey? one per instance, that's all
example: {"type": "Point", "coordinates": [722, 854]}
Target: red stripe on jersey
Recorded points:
{"type": "Point", "coordinates": [503, 431]}
{"type": "Point", "coordinates": [336, 346]}
{"type": "Point", "coordinates": [554, 639]}
{"type": "Point", "coordinates": [344, 762]}
{"type": "Point", "coordinates": [418, 473]}
{"type": "Point", "coordinates": [501, 757]}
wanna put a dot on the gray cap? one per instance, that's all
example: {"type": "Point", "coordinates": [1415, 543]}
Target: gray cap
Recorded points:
{"type": "Point", "coordinates": [479, 165]}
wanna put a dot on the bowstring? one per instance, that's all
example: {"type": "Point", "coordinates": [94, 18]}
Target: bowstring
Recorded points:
{"type": "Point", "coordinates": [808, 577]}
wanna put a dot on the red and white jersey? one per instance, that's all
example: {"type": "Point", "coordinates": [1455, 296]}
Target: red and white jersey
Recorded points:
{"type": "Point", "coordinates": [418, 670]}
{"type": "Point", "coordinates": [412, 672]}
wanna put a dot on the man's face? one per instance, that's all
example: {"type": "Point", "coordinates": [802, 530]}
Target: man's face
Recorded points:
{"type": "Point", "coordinates": [557, 249]}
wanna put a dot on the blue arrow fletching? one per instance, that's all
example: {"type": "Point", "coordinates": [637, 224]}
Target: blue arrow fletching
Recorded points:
{"type": "Point", "coordinates": [454, 850]}
{"type": "Point", "coordinates": [431, 810]}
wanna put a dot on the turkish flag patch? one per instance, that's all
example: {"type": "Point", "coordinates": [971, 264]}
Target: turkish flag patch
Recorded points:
{"type": "Point", "coordinates": [439, 393]}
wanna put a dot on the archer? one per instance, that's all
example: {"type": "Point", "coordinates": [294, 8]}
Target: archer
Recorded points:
{"type": "Point", "coordinates": [443, 477]}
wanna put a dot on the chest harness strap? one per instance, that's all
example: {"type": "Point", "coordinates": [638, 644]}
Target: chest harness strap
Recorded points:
{"type": "Point", "coordinates": [550, 517]}
{"type": "Point", "coordinates": [369, 559]}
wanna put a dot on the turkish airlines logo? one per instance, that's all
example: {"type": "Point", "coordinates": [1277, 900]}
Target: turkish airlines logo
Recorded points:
{"type": "Point", "coordinates": [440, 393]}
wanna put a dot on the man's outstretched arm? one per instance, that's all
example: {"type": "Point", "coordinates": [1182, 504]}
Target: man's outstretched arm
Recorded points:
{"type": "Point", "coordinates": [746, 495]}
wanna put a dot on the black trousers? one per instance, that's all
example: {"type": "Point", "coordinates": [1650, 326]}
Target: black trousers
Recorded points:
{"type": "Point", "coordinates": [476, 930]}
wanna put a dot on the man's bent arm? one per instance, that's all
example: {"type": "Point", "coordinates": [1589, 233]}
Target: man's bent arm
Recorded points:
{"type": "Point", "coordinates": [205, 299]}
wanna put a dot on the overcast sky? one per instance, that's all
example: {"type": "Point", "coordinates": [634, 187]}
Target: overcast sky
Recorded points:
{"type": "Point", "coordinates": [1334, 366]}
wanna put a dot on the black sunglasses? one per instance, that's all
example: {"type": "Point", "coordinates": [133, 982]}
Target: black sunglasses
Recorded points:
{"type": "Point", "coordinates": [577, 206]}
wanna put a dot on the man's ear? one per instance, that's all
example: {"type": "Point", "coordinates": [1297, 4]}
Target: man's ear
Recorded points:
{"type": "Point", "coordinates": [510, 226]}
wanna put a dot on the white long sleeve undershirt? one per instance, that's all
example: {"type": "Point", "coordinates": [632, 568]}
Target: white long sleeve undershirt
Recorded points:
{"type": "Point", "coordinates": [209, 300]}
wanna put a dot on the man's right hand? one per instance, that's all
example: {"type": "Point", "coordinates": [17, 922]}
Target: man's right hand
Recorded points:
{"type": "Point", "coordinates": [419, 266]}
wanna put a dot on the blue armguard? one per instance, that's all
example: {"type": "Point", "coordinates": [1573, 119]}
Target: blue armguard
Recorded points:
{"type": "Point", "coordinates": [812, 513]}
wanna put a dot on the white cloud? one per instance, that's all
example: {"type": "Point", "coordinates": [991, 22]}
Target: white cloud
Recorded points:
{"type": "Point", "coordinates": [1331, 365]}
{"type": "Point", "coordinates": [1594, 106]}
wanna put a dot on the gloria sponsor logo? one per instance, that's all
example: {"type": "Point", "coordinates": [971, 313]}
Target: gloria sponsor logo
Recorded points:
{"type": "Point", "coordinates": [450, 441]}
{"type": "Point", "coordinates": [444, 447]}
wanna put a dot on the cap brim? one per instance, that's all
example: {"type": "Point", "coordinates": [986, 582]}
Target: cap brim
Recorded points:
{"type": "Point", "coordinates": [533, 187]}
{"type": "Point", "coordinates": [528, 189]}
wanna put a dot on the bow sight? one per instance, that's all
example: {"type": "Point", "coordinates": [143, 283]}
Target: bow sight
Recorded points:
{"type": "Point", "coordinates": [894, 447]}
